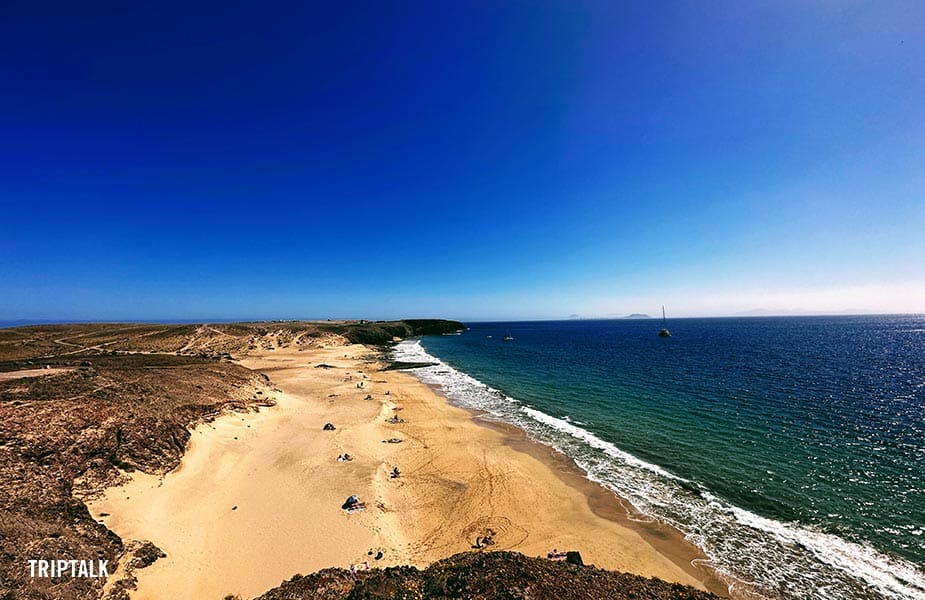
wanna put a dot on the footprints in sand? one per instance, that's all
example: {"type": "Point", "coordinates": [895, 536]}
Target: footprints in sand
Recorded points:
{"type": "Point", "coordinates": [410, 488]}
{"type": "Point", "coordinates": [495, 530]}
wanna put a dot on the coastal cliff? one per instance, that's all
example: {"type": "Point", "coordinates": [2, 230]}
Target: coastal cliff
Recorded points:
{"type": "Point", "coordinates": [82, 404]}
{"type": "Point", "coordinates": [483, 576]}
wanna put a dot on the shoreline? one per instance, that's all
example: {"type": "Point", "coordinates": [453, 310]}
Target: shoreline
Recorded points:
{"type": "Point", "coordinates": [663, 538]}
{"type": "Point", "coordinates": [606, 503]}
{"type": "Point", "coordinates": [267, 489]}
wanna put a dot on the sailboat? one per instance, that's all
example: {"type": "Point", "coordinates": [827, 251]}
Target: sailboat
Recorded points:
{"type": "Point", "coordinates": [507, 337]}
{"type": "Point", "coordinates": [664, 331]}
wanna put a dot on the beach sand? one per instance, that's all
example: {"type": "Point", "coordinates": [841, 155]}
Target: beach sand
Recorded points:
{"type": "Point", "coordinates": [257, 497]}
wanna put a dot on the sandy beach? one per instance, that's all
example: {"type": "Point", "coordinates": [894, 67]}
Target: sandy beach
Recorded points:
{"type": "Point", "coordinates": [257, 497]}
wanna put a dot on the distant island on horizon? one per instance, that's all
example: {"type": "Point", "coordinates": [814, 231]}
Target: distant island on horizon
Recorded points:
{"type": "Point", "coordinates": [758, 312]}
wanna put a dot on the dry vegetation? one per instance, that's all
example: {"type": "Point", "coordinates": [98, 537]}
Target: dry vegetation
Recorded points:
{"type": "Point", "coordinates": [126, 401]}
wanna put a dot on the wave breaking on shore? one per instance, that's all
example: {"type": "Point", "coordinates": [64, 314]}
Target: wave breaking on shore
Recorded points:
{"type": "Point", "coordinates": [758, 557]}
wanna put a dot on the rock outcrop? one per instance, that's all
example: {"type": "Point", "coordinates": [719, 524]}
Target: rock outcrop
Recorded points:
{"type": "Point", "coordinates": [483, 576]}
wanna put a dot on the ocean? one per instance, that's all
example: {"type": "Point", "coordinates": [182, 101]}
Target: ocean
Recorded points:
{"type": "Point", "coordinates": [791, 450]}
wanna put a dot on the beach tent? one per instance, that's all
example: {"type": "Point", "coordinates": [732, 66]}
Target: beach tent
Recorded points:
{"type": "Point", "coordinates": [351, 501]}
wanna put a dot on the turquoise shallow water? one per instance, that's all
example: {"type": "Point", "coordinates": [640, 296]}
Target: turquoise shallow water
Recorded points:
{"type": "Point", "coordinates": [792, 450]}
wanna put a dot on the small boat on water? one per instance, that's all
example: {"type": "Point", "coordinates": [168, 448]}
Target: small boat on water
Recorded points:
{"type": "Point", "coordinates": [664, 331]}
{"type": "Point", "coordinates": [508, 338]}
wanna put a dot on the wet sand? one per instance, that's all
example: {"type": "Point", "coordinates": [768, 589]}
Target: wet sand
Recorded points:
{"type": "Point", "coordinates": [257, 497]}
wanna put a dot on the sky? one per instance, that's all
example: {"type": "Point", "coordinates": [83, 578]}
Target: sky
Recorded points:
{"type": "Point", "coordinates": [471, 160]}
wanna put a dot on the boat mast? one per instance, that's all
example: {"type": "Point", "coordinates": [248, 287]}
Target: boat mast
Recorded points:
{"type": "Point", "coordinates": [664, 332]}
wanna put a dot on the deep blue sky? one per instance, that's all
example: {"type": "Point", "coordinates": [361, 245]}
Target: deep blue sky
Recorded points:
{"type": "Point", "coordinates": [471, 160]}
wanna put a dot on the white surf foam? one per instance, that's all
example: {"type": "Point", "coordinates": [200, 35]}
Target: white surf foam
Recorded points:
{"type": "Point", "coordinates": [785, 559]}
{"type": "Point", "coordinates": [596, 442]}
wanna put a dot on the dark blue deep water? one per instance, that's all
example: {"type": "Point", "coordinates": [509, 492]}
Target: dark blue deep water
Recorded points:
{"type": "Point", "coordinates": [791, 450]}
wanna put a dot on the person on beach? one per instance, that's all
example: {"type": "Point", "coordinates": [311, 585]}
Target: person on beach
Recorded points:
{"type": "Point", "coordinates": [353, 503]}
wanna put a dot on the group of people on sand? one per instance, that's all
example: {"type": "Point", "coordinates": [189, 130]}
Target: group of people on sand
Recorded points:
{"type": "Point", "coordinates": [376, 553]}
{"type": "Point", "coordinates": [483, 541]}
{"type": "Point", "coordinates": [353, 503]}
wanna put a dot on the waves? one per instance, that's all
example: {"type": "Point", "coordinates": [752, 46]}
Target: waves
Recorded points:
{"type": "Point", "coordinates": [757, 556]}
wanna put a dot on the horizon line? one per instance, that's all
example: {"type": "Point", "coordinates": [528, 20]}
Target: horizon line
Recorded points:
{"type": "Point", "coordinates": [12, 323]}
